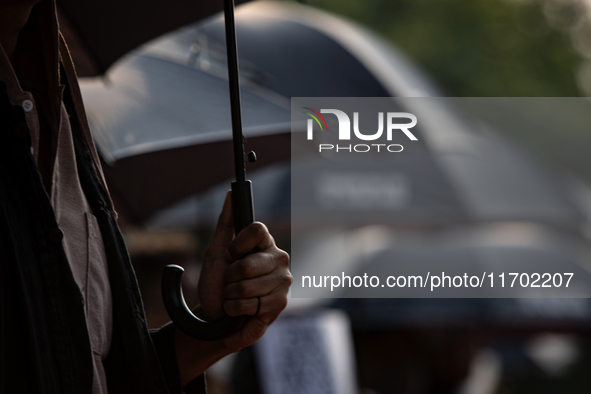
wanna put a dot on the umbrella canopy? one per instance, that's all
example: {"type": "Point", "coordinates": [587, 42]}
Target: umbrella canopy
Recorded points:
{"type": "Point", "coordinates": [485, 179]}
{"type": "Point", "coordinates": [301, 51]}
{"type": "Point", "coordinates": [100, 32]}
{"type": "Point", "coordinates": [152, 109]}
{"type": "Point", "coordinates": [459, 171]}
{"type": "Point", "coordinates": [162, 113]}
{"type": "Point", "coordinates": [505, 247]}
{"type": "Point", "coordinates": [427, 186]}
{"type": "Point", "coordinates": [157, 122]}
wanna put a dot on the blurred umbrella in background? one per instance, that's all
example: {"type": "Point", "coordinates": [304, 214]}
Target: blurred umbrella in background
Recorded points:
{"type": "Point", "coordinates": [461, 171]}
{"type": "Point", "coordinates": [491, 181]}
{"type": "Point", "coordinates": [161, 114]}
{"type": "Point", "coordinates": [301, 51]}
{"type": "Point", "coordinates": [483, 178]}
{"type": "Point", "coordinates": [164, 130]}
{"type": "Point", "coordinates": [493, 248]}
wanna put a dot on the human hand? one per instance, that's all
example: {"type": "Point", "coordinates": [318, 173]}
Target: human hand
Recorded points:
{"type": "Point", "coordinates": [232, 280]}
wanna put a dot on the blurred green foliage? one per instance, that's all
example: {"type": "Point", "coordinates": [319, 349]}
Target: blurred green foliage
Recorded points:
{"type": "Point", "coordinates": [474, 47]}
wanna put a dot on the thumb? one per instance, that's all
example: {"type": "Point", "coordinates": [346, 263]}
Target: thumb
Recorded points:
{"type": "Point", "coordinates": [224, 232]}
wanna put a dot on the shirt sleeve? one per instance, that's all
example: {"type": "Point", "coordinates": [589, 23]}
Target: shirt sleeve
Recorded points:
{"type": "Point", "coordinates": [163, 339]}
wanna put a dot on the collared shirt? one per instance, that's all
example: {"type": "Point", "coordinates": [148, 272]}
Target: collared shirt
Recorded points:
{"type": "Point", "coordinates": [82, 238]}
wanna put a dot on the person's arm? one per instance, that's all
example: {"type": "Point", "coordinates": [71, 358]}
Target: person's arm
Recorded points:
{"type": "Point", "coordinates": [231, 281]}
{"type": "Point", "coordinates": [164, 343]}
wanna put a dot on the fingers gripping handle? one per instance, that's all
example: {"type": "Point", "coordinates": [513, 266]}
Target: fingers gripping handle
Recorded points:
{"type": "Point", "coordinates": [172, 292]}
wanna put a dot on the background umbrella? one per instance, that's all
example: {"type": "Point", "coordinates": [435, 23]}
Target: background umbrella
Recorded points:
{"type": "Point", "coordinates": [460, 172]}
{"type": "Point", "coordinates": [160, 100]}
{"type": "Point", "coordinates": [491, 181]}
{"type": "Point", "coordinates": [495, 248]}
{"type": "Point", "coordinates": [158, 122]}
{"type": "Point", "coordinates": [300, 51]}
{"type": "Point", "coordinates": [484, 179]}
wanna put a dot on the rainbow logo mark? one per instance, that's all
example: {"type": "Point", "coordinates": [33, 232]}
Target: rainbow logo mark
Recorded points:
{"type": "Point", "coordinates": [315, 118]}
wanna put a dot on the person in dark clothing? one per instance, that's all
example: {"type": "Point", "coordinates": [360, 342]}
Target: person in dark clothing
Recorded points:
{"type": "Point", "coordinates": [71, 317]}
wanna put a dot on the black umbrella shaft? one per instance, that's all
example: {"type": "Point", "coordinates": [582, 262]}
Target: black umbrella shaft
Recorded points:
{"type": "Point", "coordinates": [234, 80]}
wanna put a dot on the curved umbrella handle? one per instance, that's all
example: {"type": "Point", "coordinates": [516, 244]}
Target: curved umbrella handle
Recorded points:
{"type": "Point", "coordinates": [181, 315]}
{"type": "Point", "coordinates": [172, 293]}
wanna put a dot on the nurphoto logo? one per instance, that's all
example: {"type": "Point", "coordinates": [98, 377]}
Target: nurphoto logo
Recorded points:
{"type": "Point", "coordinates": [393, 125]}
